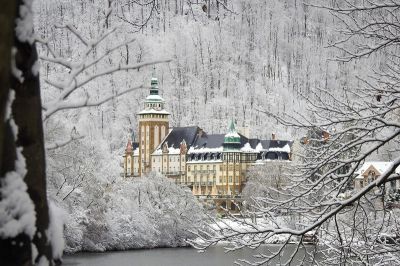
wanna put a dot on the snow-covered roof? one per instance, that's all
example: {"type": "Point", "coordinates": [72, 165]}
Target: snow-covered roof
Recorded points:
{"type": "Point", "coordinates": [171, 150]}
{"type": "Point", "coordinates": [175, 137]}
{"type": "Point", "coordinates": [380, 166]}
{"type": "Point", "coordinates": [205, 150]}
{"type": "Point", "coordinates": [285, 148]}
{"type": "Point", "coordinates": [247, 148]}
{"type": "Point", "coordinates": [232, 135]}
{"type": "Point", "coordinates": [153, 111]}
{"type": "Point", "coordinates": [259, 147]}
{"type": "Point", "coordinates": [154, 98]}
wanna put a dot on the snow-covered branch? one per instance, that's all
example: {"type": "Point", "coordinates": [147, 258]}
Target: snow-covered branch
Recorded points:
{"type": "Point", "coordinates": [318, 198]}
{"type": "Point", "coordinates": [77, 76]}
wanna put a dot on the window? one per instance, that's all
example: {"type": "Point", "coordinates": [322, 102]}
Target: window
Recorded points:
{"type": "Point", "coordinates": [230, 179]}
{"type": "Point", "coordinates": [220, 179]}
{"type": "Point", "coordinates": [188, 168]}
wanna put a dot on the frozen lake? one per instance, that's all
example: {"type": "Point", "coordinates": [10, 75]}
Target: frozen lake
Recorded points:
{"type": "Point", "coordinates": [174, 257]}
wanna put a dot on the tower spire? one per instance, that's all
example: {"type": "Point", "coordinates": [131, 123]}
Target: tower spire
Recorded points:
{"type": "Point", "coordinates": [232, 127]}
{"type": "Point", "coordinates": [232, 138]}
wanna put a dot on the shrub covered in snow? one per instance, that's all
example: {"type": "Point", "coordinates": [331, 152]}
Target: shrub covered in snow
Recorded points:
{"type": "Point", "coordinates": [142, 212]}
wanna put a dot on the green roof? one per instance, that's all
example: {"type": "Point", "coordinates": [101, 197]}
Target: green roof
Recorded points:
{"type": "Point", "coordinates": [232, 136]}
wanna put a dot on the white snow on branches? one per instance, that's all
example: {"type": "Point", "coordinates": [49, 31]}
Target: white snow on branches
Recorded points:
{"type": "Point", "coordinates": [14, 70]}
{"type": "Point", "coordinates": [55, 233]}
{"type": "Point", "coordinates": [17, 212]}
{"type": "Point", "coordinates": [24, 28]}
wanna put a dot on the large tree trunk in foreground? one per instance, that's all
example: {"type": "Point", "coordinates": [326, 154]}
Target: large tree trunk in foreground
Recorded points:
{"type": "Point", "coordinates": [26, 113]}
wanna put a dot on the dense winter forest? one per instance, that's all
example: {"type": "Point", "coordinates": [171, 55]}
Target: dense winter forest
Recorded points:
{"type": "Point", "coordinates": [261, 63]}
{"type": "Point", "coordinates": [228, 59]}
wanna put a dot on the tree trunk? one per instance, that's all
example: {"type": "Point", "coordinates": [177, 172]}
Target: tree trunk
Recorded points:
{"type": "Point", "coordinates": [26, 112]}
{"type": "Point", "coordinates": [11, 254]}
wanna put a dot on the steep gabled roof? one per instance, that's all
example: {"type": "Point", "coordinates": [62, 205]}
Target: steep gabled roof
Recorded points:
{"type": "Point", "coordinates": [178, 134]}
{"type": "Point", "coordinates": [209, 141]}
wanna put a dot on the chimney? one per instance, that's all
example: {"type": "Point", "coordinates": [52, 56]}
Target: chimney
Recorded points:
{"type": "Point", "coordinates": [273, 136]}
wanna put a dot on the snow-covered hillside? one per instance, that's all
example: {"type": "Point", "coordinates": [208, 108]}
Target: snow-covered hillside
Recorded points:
{"type": "Point", "coordinates": [229, 59]}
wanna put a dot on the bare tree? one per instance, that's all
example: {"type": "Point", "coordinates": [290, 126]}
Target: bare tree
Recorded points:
{"type": "Point", "coordinates": [355, 125]}
{"type": "Point", "coordinates": [265, 181]}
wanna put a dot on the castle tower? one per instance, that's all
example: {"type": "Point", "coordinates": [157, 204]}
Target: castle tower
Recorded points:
{"type": "Point", "coordinates": [153, 127]}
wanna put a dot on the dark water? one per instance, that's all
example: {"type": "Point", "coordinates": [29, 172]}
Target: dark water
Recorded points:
{"type": "Point", "coordinates": [180, 257]}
